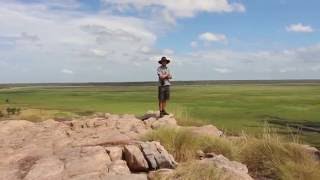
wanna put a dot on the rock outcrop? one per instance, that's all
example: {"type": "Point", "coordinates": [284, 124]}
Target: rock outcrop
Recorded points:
{"type": "Point", "coordinates": [314, 152]}
{"type": "Point", "coordinates": [103, 147]}
{"type": "Point", "coordinates": [135, 158]}
{"type": "Point", "coordinates": [93, 148]}
{"type": "Point", "coordinates": [152, 120]}
{"type": "Point", "coordinates": [157, 156]}
{"type": "Point", "coordinates": [208, 130]}
{"type": "Point", "coordinates": [229, 169]}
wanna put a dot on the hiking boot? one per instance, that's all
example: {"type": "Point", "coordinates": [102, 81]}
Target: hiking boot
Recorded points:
{"type": "Point", "coordinates": [165, 112]}
{"type": "Point", "coordinates": [161, 114]}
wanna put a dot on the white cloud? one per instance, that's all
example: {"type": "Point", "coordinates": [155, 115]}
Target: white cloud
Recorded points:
{"type": "Point", "coordinates": [299, 28]}
{"type": "Point", "coordinates": [211, 37]}
{"type": "Point", "coordinates": [67, 71]}
{"type": "Point", "coordinates": [43, 42]}
{"type": "Point", "coordinates": [145, 49]}
{"type": "Point", "coordinates": [222, 70]}
{"type": "Point", "coordinates": [288, 69]}
{"type": "Point", "coordinates": [299, 63]}
{"type": "Point", "coordinates": [176, 9]}
{"type": "Point", "coordinates": [99, 52]}
{"type": "Point", "coordinates": [23, 36]}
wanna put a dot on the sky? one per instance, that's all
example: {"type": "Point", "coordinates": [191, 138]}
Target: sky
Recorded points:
{"type": "Point", "coordinates": [122, 40]}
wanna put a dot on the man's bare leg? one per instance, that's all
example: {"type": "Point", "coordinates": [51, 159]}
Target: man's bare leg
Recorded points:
{"type": "Point", "coordinates": [160, 106]}
{"type": "Point", "coordinates": [164, 108]}
{"type": "Point", "coordinates": [164, 103]}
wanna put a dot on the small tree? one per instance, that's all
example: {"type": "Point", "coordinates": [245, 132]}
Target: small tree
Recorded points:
{"type": "Point", "coordinates": [18, 110]}
{"type": "Point", "coordinates": [11, 111]}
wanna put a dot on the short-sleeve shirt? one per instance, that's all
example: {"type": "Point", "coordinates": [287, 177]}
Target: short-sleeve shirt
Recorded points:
{"type": "Point", "coordinates": [161, 71]}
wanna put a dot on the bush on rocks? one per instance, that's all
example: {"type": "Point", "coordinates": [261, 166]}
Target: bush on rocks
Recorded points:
{"type": "Point", "coordinates": [274, 158]}
{"type": "Point", "coordinates": [13, 111]}
{"type": "Point", "coordinates": [183, 144]}
{"type": "Point", "coordinates": [266, 157]}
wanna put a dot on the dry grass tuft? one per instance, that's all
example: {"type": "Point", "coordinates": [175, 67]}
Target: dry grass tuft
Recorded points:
{"type": "Point", "coordinates": [273, 157]}
{"type": "Point", "coordinates": [183, 144]}
{"type": "Point", "coordinates": [269, 156]}
{"type": "Point", "coordinates": [184, 118]}
{"type": "Point", "coordinates": [194, 170]}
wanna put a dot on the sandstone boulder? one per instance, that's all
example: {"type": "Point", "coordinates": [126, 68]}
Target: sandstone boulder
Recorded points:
{"type": "Point", "coordinates": [47, 168]}
{"type": "Point", "coordinates": [126, 177]}
{"type": "Point", "coordinates": [135, 158]}
{"type": "Point", "coordinates": [157, 156]}
{"type": "Point", "coordinates": [150, 114]}
{"type": "Point", "coordinates": [208, 130]}
{"type": "Point", "coordinates": [311, 150]}
{"type": "Point", "coordinates": [155, 123]}
{"type": "Point", "coordinates": [115, 152]}
{"type": "Point", "coordinates": [230, 169]}
{"type": "Point", "coordinates": [119, 167]}
{"type": "Point", "coordinates": [166, 121]}
{"type": "Point", "coordinates": [91, 176]}
{"type": "Point", "coordinates": [86, 160]}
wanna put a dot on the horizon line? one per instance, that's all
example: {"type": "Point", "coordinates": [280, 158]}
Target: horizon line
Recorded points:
{"type": "Point", "coordinates": [154, 82]}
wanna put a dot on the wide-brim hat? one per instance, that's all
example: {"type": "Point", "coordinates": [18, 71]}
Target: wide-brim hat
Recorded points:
{"type": "Point", "coordinates": [164, 59]}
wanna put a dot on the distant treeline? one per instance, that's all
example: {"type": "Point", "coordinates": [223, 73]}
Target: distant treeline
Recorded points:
{"type": "Point", "coordinates": [154, 83]}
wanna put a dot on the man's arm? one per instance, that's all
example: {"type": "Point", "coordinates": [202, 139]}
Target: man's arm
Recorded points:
{"type": "Point", "coordinates": [162, 75]}
{"type": "Point", "coordinates": [169, 76]}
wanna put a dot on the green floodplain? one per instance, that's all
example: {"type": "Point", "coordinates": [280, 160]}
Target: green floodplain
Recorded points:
{"type": "Point", "coordinates": [290, 109]}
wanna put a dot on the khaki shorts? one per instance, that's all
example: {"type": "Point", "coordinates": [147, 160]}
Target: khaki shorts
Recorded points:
{"type": "Point", "coordinates": [163, 93]}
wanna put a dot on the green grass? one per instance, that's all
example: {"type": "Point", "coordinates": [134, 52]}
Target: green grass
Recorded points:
{"type": "Point", "coordinates": [233, 108]}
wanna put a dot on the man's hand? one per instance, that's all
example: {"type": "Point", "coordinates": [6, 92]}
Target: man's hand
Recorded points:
{"type": "Point", "coordinates": [166, 76]}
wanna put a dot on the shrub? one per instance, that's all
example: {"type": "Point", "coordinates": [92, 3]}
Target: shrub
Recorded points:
{"type": "Point", "coordinates": [62, 116]}
{"type": "Point", "coordinates": [18, 111]}
{"type": "Point", "coordinates": [85, 113]}
{"type": "Point", "coordinates": [1, 114]}
{"type": "Point", "coordinates": [11, 111]}
{"type": "Point", "coordinates": [298, 164]}
{"type": "Point", "coordinates": [32, 118]}
{"type": "Point", "coordinates": [180, 143]}
{"type": "Point", "coordinates": [274, 158]}
{"type": "Point", "coordinates": [183, 144]}
{"type": "Point", "coordinates": [184, 118]}
{"type": "Point", "coordinates": [267, 157]}
{"type": "Point", "coordinates": [218, 145]}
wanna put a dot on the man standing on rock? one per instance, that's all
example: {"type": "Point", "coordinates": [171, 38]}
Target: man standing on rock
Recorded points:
{"type": "Point", "coordinates": [164, 85]}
